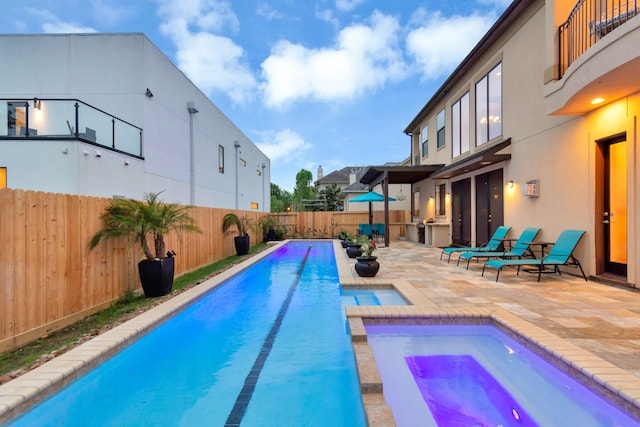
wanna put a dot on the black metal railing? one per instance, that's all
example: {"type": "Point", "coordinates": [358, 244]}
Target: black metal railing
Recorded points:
{"type": "Point", "coordinates": [588, 22]}
{"type": "Point", "coordinates": [40, 118]}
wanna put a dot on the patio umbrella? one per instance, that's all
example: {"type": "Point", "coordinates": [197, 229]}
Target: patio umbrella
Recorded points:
{"type": "Point", "coordinates": [371, 196]}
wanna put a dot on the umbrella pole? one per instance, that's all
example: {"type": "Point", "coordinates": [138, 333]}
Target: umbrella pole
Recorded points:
{"type": "Point", "coordinates": [370, 214]}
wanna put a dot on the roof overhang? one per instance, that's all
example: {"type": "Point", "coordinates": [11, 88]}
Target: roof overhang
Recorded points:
{"type": "Point", "coordinates": [487, 157]}
{"type": "Point", "coordinates": [398, 174]}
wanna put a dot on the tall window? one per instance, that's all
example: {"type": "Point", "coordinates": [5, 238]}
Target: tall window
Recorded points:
{"type": "Point", "coordinates": [424, 138]}
{"type": "Point", "coordinates": [489, 106]}
{"type": "Point", "coordinates": [460, 126]}
{"type": "Point", "coordinates": [220, 159]}
{"type": "Point", "coordinates": [3, 177]}
{"type": "Point", "coordinates": [440, 125]}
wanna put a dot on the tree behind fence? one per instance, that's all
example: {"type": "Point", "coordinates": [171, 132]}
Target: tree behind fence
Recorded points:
{"type": "Point", "coordinates": [49, 279]}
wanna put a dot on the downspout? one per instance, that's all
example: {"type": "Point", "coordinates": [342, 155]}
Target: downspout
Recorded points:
{"type": "Point", "coordinates": [192, 170]}
{"type": "Point", "coordinates": [236, 145]}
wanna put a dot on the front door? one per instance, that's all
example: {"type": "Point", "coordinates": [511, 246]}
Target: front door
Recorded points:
{"type": "Point", "coordinates": [613, 214]}
{"type": "Point", "coordinates": [461, 212]}
{"type": "Point", "coordinates": [489, 205]}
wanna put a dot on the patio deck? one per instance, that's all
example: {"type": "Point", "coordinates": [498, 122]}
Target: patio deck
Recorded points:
{"type": "Point", "coordinates": [593, 326]}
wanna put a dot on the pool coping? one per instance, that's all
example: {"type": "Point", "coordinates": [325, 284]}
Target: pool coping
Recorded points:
{"type": "Point", "coordinates": [617, 385]}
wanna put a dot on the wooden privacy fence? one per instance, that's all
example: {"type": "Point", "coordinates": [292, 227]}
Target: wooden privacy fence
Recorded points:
{"type": "Point", "coordinates": [49, 279]}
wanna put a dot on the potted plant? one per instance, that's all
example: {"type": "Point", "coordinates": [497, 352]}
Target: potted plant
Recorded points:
{"type": "Point", "coordinates": [353, 246]}
{"type": "Point", "coordinates": [367, 264]}
{"type": "Point", "coordinates": [269, 225]}
{"type": "Point", "coordinates": [141, 220]}
{"type": "Point", "coordinates": [241, 224]}
{"type": "Point", "coordinates": [346, 237]}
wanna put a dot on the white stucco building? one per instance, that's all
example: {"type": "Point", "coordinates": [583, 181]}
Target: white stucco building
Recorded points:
{"type": "Point", "coordinates": [110, 115]}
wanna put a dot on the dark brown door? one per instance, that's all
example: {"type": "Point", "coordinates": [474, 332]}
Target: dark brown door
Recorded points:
{"type": "Point", "coordinates": [461, 212]}
{"type": "Point", "coordinates": [614, 205]}
{"type": "Point", "coordinates": [489, 205]}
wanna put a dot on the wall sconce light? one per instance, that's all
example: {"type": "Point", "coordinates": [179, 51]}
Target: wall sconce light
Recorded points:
{"type": "Point", "coordinates": [98, 154]}
{"type": "Point", "coordinates": [149, 93]}
{"type": "Point", "coordinates": [510, 184]}
{"type": "Point", "coordinates": [65, 151]}
{"type": "Point", "coordinates": [37, 104]}
{"type": "Point", "coordinates": [126, 162]}
{"type": "Point", "coordinates": [86, 153]}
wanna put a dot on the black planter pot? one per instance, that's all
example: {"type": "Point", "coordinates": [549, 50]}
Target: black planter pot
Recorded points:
{"type": "Point", "coordinates": [271, 235]}
{"type": "Point", "coordinates": [242, 244]}
{"type": "Point", "coordinates": [353, 251]}
{"type": "Point", "coordinates": [367, 266]}
{"type": "Point", "coordinates": [344, 243]}
{"type": "Point", "coordinates": [156, 276]}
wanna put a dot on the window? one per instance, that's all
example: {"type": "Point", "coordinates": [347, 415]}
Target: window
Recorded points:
{"type": "Point", "coordinates": [424, 138]}
{"type": "Point", "coordinates": [460, 126]}
{"type": "Point", "coordinates": [489, 106]}
{"type": "Point", "coordinates": [220, 159]}
{"type": "Point", "coordinates": [243, 162]}
{"type": "Point", "coordinates": [440, 125]}
{"type": "Point", "coordinates": [254, 205]}
{"type": "Point", "coordinates": [3, 177]}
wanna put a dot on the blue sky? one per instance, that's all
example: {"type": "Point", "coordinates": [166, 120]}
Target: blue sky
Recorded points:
{"type": "Point", "coordinates": [324, 82]}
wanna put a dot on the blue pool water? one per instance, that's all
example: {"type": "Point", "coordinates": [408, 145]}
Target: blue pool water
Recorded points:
{"type": "Point", "coordinates": [268, 348]}
{"type": "Point", "coordinates": [351, 297]}
{"type": "Point", "coordinates": [444, 375]}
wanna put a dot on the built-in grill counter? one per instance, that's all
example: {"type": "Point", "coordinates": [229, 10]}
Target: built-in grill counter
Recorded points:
{"type": "Point", "coordinates": [430, 232]}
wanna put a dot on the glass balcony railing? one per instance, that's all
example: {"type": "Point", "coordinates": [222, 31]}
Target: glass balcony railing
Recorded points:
{"type": "Point", "coordinates": [588, 22]}
{"type": "Point", "coordinates": [68, 119]}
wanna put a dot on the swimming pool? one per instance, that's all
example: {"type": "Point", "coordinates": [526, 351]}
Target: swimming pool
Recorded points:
{"type": "Point", "coordinates": [370, 296]}
{"type": "Point", "coordinates": [476, 375]}
{"type": "Point", "coordinates": [268, 347]}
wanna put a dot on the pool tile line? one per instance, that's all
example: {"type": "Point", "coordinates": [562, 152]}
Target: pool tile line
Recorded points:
{"type": "Point", "coordinates": [244, 397]}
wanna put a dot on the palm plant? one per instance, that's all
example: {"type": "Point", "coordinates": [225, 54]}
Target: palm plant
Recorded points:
{"type": "Point", "coordinates": [241, 223]}
{"type": "Point", "coordinates": [141, 220]}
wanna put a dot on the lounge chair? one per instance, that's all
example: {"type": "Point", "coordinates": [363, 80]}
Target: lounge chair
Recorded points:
{"type": "Point", "coordinates": [491, 246]}
{"type": "Point", "coordinates": [519, 249]}
{"type": "Point", "coordinates": [560, 254]}
{"type": "Point", "coordinates": [378, 231]}
{"type": "Point", "coordinates": [366, 230]}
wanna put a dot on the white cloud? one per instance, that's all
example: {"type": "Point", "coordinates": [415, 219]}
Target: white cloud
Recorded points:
{"type": "Point", "coordinates": [282, 146]}
{"type": "Point", "coordinates": [347, 5]}
{"type": "Point", "coordinates": [363, 58]}
{"type": "Point", "coordinates": [439, 45]}
{"type": "Point", "coordinates": [53, 24]}
{"type": "Point", "coordinates": [211, 61]}
{"type": "Point", "coordinates": [267, 12]}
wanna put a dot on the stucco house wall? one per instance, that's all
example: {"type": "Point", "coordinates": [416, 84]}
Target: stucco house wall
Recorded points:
{"type": "Point", "coordinates": [550, 140]}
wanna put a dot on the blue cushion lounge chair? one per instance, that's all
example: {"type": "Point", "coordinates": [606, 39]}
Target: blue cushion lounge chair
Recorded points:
{"type": "Point", "coordinates": [519, 249]}
{"type": "Point", "coordinates": [492, 246]}
{"type": "Point", "coordinates": [560, 254]}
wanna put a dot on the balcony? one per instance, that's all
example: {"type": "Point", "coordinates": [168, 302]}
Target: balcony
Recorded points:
{"type": "Point", "coordinates": [597, 56]}
{"type": "Point", "coordinates": [590, 21]}
{"type": "Point", "coordinates": [68, 119]}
